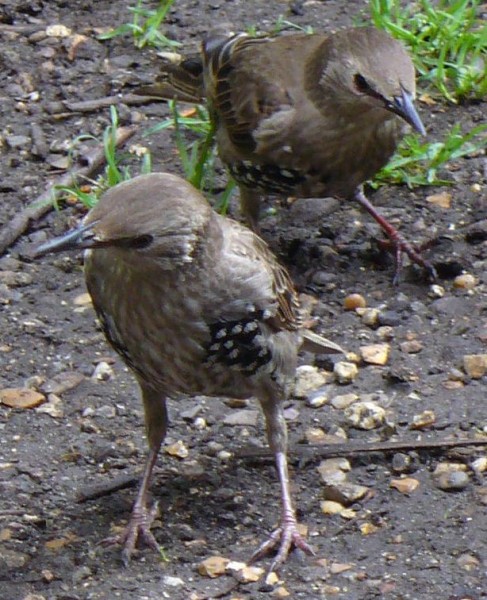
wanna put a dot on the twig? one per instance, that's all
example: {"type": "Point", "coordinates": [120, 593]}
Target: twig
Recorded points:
{"type": "Point", "coordinates": [12, 512]}
{"type": "Point", "coordinates": [351, 449]}
{"type": "Point", "coordinates": [45, 201]}
{"type": "Point", "coordinates": [22, 29]}
{"type": "Point", "coordinates": [105, 488]}
{"type": "Point", "coordinates": [65, 108]}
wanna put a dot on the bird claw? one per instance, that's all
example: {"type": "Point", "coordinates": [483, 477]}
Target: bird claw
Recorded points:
{"type": "Point", "coordinates": [284, 537]}
{"type": "Point", "coordinates": [397, 245]}
{"type": "Point", "coordinates": [137, 528]}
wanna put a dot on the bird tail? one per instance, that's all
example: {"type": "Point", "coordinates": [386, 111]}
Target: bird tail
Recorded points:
{"type": "Point", "coordinates": [317, 344]}
{"type": "Point", "coordinates": [181, 80]}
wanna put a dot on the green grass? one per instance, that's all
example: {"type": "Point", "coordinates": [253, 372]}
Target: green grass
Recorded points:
{"type": "Point", "coordinates": [417, 163]}
{"type": "Point", "coordinates": [115, 171]}
{"type": "Point", "coordinates": [447, 40]}
{"type": "Point", "coordinates": [145, 26]}
{"type": "Point", "coordinates": [194, 137]}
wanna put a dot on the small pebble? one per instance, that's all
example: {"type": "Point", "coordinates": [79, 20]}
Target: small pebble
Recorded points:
{"type": "Point", "coordinates": [224, 455]}
{"type": "Point", "coordinates": [345, 372]}
{"type": "Point", "coordinates": [345, 493]}
{"type": "Point", "coordinates": [386, 332]}
{"type": "Point", "coordinates": [436, 291]}
{"type": "Point", "coordinates": [479, 465]}
{"type": "Point", "coordinates": [308, 379]}
{"type": "Point", "coordinates": [177, 449]}
{"type": "Point", "coordinates": [368, 528]}
{"type": "Point", "coordinates": [21, 398]}
{"type": "Point", "coordinates": [212, 567]}
{"type": "Point", "coordinates": [402, 463]}
{"type": "Point", "coordinates": [53, 407]}
{"type": "Point", "coordinates": [342, 401]}
{"type": "Point", "coordinates": [102, 372]}
{"type": "Point", "coordinates": [370, 317]}
{"type": "Point", "coordinates": [280, 592]}
{"type": "Point", "coordinates": [172, 581]}
{"type": "Point", "coordinates": [406, 485]}
{"type": "Point", "coordinates": [332, 478]}
{"type": "Point", "coordinates": [335, 464]}
{"type": "Point", "coordinates": [365, 415]}
{"type": "Point", "coordinates": [411, 347]}
{"type": "Point", "coordinates": [317, 400]}
{"type": "Point", "coordinates": [424, 419]}
{"type": "Point", "coordinates": [451, 477]}
{"type": "Point", "coordinates": [353, 301]}
{"type": "Point", "coordinates": [249, 574]}
{"type": "Point", "coordinates": [315, 436]}
{"type": "Point", "coordinates": [475, 365]}
{"type": "Point", "coordinates": [375, 354]}
{"type": "Point", "coordinates": [200, 424]}
{"type": "Point", "coordinates": [442, 199]}
{"type": "Point", "coordinates": [389, 318]}
{"type": "Point", "coordinates": [58, 31]}
{"type": "Point", "coordinates": [465, 281]}
{"type": "Point", "coordinates": [329, 507]}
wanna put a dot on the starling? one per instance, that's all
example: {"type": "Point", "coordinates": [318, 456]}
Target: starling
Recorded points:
{"type": "Point", "coordinates": [194, 303]}
{"type": "Point", "coordinates": [304, 115]}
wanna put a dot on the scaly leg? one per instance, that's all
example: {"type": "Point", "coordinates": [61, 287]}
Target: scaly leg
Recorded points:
{"type": "Point", "coordinates": [142, 516]}
{"type": "Point", "coordinates": [398, 243]}
{"type": "Point", "coordinates": [287, 534]}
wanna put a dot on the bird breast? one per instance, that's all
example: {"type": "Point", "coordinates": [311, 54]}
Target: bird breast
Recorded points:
{"type": "Point", "coordinates": [177, 333]}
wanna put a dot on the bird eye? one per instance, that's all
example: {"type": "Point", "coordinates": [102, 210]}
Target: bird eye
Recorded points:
{"type": "Point", "coordinates": [361, 84]}
{"type": "Point", "coordinates": [142, 241]}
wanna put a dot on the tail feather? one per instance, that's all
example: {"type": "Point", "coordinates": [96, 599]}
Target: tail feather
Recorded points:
{"type": "Point", "coordinates": [317, 344]}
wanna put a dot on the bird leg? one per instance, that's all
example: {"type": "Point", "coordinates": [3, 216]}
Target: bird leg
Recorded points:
{"type": "Point", "coordinates": [156, 419]}
{"type": "Point", "coordinates": [141, 517]}
{"type": "Point", "coordinates": [287, 534]}
{"type": "Point", "coordinates": [250, 204]}
{"type": "Point", "coordinates": [398, 243]}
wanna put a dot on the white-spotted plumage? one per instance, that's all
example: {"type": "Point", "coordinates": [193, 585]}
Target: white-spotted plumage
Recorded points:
{"type": "Point", "coordinates": [195, 304]}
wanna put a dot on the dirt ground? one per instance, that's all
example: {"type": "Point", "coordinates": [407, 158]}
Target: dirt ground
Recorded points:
{"type": "Point", "coordinates": [427, 544]}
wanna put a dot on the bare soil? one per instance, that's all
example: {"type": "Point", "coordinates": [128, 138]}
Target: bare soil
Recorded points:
{"type": "Point", "coordinates": [430, 544]}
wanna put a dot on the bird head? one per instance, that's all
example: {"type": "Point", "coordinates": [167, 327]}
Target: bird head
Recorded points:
{"type": "Point", "coordinates": [368, 71]}
{"type": "Point", "coordinates": [158, 217]}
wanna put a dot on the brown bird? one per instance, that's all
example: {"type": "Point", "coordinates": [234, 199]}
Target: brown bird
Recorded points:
{"type": "Point", "coordinates": [194, 303]}
{"type": "Point", "coordinates": [303, 115]}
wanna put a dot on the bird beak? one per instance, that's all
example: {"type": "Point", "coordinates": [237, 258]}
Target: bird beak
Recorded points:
{"type": "Point", "coordinates": [75, 239]}
{"type": "Point", "coordinates": [403, 106]}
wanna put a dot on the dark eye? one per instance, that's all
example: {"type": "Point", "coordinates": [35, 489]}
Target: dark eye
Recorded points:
{"type": "Point", "coordinates": [142, 241]}
{"type": "Point", "coordinates": [361, 84]}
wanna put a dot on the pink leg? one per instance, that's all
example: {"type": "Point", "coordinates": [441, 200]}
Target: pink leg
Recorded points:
{"type": "Point", "coordinates": [399, 244]}
{"type": "Point", "coordinates": [286, 535]}
{"type": "Point", "coordinates": [141, 517]}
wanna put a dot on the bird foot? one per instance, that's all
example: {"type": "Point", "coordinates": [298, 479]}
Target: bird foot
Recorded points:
{"type": "Point", "coordinates": [137, 528]}
{"type": "Point", "coordinates": [398, 246]}
{"type": "Point", "coordinates": [284, 538]}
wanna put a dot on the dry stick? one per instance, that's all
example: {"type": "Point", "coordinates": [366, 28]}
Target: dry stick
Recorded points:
{"type": "Point", "coordinates": [121, 482]}
{"type": "Point", "coordinates": [351, 449]}
{"type": "Point", "coordinates": [65, 108]}
{"type": "Point", "coordinates": [21, 29]}
{"type": "Point", "coordinates": [45, 201]}
{"type": "Point", "coordinates": [105, 488]}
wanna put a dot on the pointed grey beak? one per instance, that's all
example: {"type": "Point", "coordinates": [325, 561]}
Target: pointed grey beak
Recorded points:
{"type": "Point", "coordinates": [75, 239]}
{"type": "Point", "coordinates": [403, 106]}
